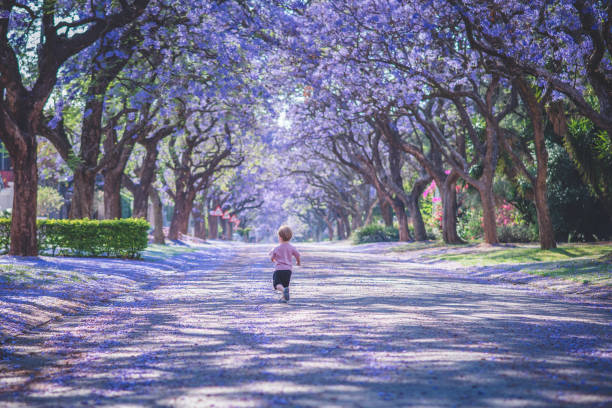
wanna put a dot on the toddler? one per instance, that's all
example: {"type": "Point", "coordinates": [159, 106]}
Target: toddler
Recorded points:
{"type": "Point", "coordinates": [281, 256]}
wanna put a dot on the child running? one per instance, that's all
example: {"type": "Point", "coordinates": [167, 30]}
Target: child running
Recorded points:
{"type": "Point", "coordinates": [281, 256]}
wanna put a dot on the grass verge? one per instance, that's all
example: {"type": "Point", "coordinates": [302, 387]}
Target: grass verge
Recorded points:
{"type": "Point", "coordinates": [416, 246]}
{"type": "Point", "coordinates": [585, 263]}
{"type": "Point", "coordinates": [588, 271]}
{"type": "Point", "coordinates": [522, 255]}
{"type": "Point", "coordinates": [156, 252]}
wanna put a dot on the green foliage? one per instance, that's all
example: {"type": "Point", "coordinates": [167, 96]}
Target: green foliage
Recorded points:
{"type": "Point", "coordinates": [577, 213]}
{"type": "Point", "coordinates": [5, 234]}
{"type": "Point", "coordinates": [124, 238]}
{"type": "Point", "coordinates": [469, 223]}
{"type": "Point", "coordinates": [589, 148]}
{"type": "Point", "coordinates": [49, 201]}
{"type": "Point", "coordinates": [517, 233]}
{"type": "Point", "coordinates": [375, 233]}
{"type": "Point", "coordinates": [244, 232]}
{"type": "Point", "coordinates": [431, 217]}
{"type": "Point", "coordinates": [126, 205]}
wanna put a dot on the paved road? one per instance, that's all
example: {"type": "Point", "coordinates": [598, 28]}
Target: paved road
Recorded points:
{"type": "Point", "coordinates": [361, 330]}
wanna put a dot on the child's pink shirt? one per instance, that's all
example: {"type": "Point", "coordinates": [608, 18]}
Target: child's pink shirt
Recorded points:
{"type": "Point", "coordinates": [282, 256]}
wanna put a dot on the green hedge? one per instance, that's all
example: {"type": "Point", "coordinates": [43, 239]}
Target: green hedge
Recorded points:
{"type": "Point", "coordinates": [375, 233]}
{"type": "Point", "coordinates": [124, 238]}
{"type": "Point", "coordinates": [517, 233]}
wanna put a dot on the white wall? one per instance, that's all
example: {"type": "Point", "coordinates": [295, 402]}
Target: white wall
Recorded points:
{"type": "Point", "coordinates": [6, 197]}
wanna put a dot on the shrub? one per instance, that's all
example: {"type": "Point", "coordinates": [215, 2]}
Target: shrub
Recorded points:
{"type": "Point", "coordinates": [124, 238]}
{"type": "Point", "coordinates": [375, 233]}
{"type": "Point", "coordinates": [577, 213]}
{"type": "Point", "coordinates": [517, 233]}
{"type": "Point", "coordinates": [469, 223]}
{"type": "Point", "coordinates": [49, 201]}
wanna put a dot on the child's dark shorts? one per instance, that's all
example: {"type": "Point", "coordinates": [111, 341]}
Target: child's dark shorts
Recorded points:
{"type": "Point", "coordinates": [281, 277]}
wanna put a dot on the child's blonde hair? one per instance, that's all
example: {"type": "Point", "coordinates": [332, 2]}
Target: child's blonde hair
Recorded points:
{"type": "Point", "coordinates": [285, 233]}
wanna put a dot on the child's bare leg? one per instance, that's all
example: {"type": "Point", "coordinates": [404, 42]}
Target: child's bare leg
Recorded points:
{"type": "Point", "coordinates": [279, 287]}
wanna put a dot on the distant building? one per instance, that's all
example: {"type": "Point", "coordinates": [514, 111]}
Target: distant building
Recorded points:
{"type": "Point", "coordinates": [6, 180]}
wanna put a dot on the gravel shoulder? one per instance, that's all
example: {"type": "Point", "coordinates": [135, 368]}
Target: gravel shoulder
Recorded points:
{"type": "Point", "coordinates": [362, 330]}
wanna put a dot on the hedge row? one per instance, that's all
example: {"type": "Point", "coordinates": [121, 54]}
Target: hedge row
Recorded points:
{"type": "Point", "coordinates": [124, 238]}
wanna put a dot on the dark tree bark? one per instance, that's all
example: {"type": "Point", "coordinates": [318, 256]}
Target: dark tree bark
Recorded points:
{"type": "Point", "coordinates": [420, 234]}
{"type": "Point", "coordinates": [386, 212]}
{"type": "Point", "coordinates": [330, 227]}
{"type": "Point", "coordinates": [21, 109]}
{"type": "Point", "coordinates": [158, 217]}
{"type": "Point", "coordinates": [402, 219]}
{"type": "Point", "coordinates": [23, 224]}
{"type": "Point", "coordinates": [230, 231]}
{"type": "Point", "coordinates": [446, 185]}
{"type": "Point", "coordinates": [224, 229]}
{"type": "Point", "coordinates": [92, 129]}
{"type": "Point", "coordinates": [370, 212]}
{"type": "Point", "coordinates": [448, 195]}
{"type": "Point", "coordinates": [355, 223]}
{"type": "Point", "coordinates": [193, 171]}
{"type": "Point", "coordinates": [82, 204]}
{"type": "Point", "coordinates": [346, 224]}
{"type": "Point", "coordinates": [146, 172]}
{"type": "Point", "coordinates": [112, 195]}
{"type": "Point", "coordinates": [538, 182]}
{"type": "Point", "coordinates": [486, 154]}
{"type": "Point", "coordinates": [199, 223]}
{"type": "Point", "coordinates": [117, 153]}
{"type": "Point", "coordinates": [183, 204]}
{"type": "Point", "coordinates": [213, 227]}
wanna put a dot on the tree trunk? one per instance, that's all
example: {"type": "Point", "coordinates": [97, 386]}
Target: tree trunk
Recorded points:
{"type": "Point", "coordinates": [23, 224]}
{"type": "Point", "coordinates": [370, 213]}
{"type": "Point", "coordinates": [180, 216]}
{"type": "Point", "coordinates": [112, 195]}
{"type": "Point", "coordinates": [536, 112]}
{"type": "Point", "coordinates": [448, 195]}
{"type": "Point", "coordinates": [225, 226]}
{"type": "Point", "coordinates": [355, 222]}
{"type": "Point", "coordinates": [386, 212]}
{"type": "Point", "coordinates": [199, 223]}
{"type": "Point", "coordinates": [340, 228]}
{"type": "Point", "coordinates": [417, 218]}
{"type": "Point", "coordinates": [330, 228]}
{"type": "Point", "coordinates": [402, 219]}
{"type": "Point", "coordinates": [140, 208]}
{"type": "Point", "coordinates": [347, 225]}
{"type": "Point", "coordinates": [158, 217]}
{"type": "Point", "coordinates": [488, 216]}
{"type": "Point", "coordinates": [213, 226]}
{"type": "Point", "coordinates": [82, 204]}
{"type": "Point", "coordinates": [147, 177]}
{"type": "Point", "coordinates": [420, 234]}
{"type": "Point", "coordinates": [545, 228]}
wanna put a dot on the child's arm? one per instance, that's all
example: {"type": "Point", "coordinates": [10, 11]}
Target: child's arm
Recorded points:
{"type": "Point", "coordinates": [297, 259]}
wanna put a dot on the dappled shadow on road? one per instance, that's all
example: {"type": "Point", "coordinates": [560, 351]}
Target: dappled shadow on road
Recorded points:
{"type": "Point", "coordinates": [35, 290]}
{"type": "Point", "coordinates": [358, 332]}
